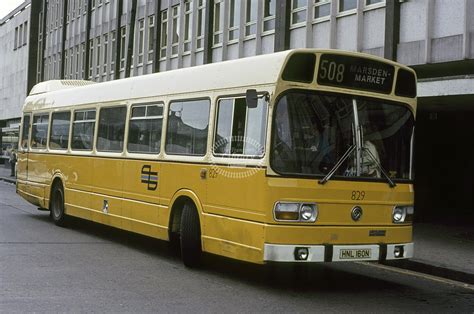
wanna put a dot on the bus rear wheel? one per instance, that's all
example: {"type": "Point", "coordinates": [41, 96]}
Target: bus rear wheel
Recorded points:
{"type": "Point", "coordinates": [57, 205]}
{"type": "Point", "coordinates": [190, 231]}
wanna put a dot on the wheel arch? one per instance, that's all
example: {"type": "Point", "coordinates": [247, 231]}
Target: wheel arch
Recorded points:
{"type": "Point", "coordinates": [56, 179]}
{"type": "Point", "coordinates": [180, 198]}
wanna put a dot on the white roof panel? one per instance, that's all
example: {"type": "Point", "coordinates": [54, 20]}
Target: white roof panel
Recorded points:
{"type": "Point", "coordinates": [249, 72]}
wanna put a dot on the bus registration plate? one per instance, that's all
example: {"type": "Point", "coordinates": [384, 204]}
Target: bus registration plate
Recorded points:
{"type": "Point", "coordinates": [355, 254]}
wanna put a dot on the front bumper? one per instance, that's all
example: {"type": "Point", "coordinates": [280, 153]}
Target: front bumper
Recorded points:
{"type": "Point", "coordinates": [338, 253]}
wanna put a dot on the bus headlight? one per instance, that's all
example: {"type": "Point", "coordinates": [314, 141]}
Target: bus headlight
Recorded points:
{"type": "Point", "coordinates": [308, 212]}
{"type": "Point", "coordinates": [303, 212]}
{"type": "Point", "coordinates": [402, 214]}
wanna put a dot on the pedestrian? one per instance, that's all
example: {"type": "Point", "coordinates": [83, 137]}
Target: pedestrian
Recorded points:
{"type": "Point", "coordinates": [12, 162]}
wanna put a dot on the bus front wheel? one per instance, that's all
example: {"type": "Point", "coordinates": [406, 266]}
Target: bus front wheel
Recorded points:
{"type": "Point", "coordinates": [190, 236]}
{"type": "Point", "coordinates": [57, 205]}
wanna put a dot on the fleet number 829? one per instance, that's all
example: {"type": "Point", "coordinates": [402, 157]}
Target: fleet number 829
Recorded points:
{"type": "Point", "coordinates": [331, 71]}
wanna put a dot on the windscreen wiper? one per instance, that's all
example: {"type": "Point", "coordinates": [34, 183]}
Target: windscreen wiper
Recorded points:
{"type": "Point", "coordinates": [337, 165]}
{"type": "Point", "coordinates": [382, 170]}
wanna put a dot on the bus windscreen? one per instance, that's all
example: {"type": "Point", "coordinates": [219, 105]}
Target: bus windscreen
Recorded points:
{"type": "Point", "coordinates": [355, 73]}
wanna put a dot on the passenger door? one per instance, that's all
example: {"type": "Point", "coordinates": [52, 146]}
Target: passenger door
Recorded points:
{"type": "Point", "coordinates": [237, 175]}
{"type": "Point", "coordinates": [23, 149]}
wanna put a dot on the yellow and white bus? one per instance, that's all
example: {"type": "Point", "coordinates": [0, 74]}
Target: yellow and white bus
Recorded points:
{"type": "Point", "coordinates": [298, 156]}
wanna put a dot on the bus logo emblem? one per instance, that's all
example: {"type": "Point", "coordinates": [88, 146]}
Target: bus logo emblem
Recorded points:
{"type": "Point", "coordinates": [356, 213]}
{"type": "Point", "coordinates": [150, 178]}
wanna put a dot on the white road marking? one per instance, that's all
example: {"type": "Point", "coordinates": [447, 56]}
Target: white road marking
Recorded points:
{"type": "Point", "coordinates": [420, 275]}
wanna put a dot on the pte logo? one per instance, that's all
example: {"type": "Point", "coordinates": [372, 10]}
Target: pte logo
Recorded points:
{"type": "Point", "coordinates": [150, 178]}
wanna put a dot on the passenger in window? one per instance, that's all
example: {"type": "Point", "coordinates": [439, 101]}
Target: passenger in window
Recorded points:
{"type": "Point", "coordinates": [370, 159]}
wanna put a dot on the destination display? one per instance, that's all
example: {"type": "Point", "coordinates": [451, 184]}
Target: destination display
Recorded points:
{"type": "Point", "coordinates": [356, 73]}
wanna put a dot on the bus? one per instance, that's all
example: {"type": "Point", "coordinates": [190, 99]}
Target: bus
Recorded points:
{"type": "Point", "coordinates": [299, 156]}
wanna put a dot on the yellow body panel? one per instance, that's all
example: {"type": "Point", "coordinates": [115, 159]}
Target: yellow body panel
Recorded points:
{"type": "Point", "coordinates": [233, 224]}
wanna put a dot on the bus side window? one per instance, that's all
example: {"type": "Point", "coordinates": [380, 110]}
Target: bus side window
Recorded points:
{"type": "Point", "coordinates": [59, 138]}
{"type": "Point", "coordinates": [83, 130]}
{"type": "Point", "coordinates": [144, 135]}
{"type": "Point", "coordinates": [25, 132]}
{"type": "Point", "coordinates": [39, 131]}
{"type": "Point", "coordinates": [240, 130]}
{"type": "Point", "coordinates": [188, 124]}
{"type": "Point", "coordinates": [111, 129]}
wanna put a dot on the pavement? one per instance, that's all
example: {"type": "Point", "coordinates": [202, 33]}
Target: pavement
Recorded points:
{"type": "Point", "coordinates": [441, 249]}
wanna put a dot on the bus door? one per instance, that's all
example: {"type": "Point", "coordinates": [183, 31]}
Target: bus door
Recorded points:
{"type": "Point", "coordinates": [236, 180]}
{"type": "Point", "coordinates": [23, 148]}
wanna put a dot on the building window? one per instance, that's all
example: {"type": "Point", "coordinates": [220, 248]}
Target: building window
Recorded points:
{"type": "Point", "coordinates": [250, 17]}
{"type": "Point", "coordinates": [106, 54]}
{"type": "Point", "coordinates": [91, 59]}
{"type": "Point", "coordinates": [298, 11]}
{"type": "Point", "coordinates": [123, 37]}
{"type": "Point", "coordinates": [47, 68]}
{"type": "Point", "coordinates": [53, 74]}
{"type": "Point", "coordinates": [218, 22]}
{"type": "Point", "coordinates": [234, 19]}
{"type": "Point", "coordinates": [188, 25]}
{"type": "Point", "coordinates": [20, 36]}
{"type": "Point", "coordinates": [141, 40]}
{"type": "Point", "coordinates": [269, 7]}
{"type": "Point", "coordinates": [164, 34]}
{"type": "Point", "coordinates": [322, 8]}
{"type": "Point", "coordinates": [25, 33]}
{"type": "Point", "coordinates": [83, 60]}
{"type": "Point", "coordinates": [200, 25]}
{"type": "Point", "coordinates": [71, 63]}
{"type": "Point", "coordinates": [15, 43]}
{"type": "Point", "coordinates": [58, 14]}
{"type": "Point", "coordinates": [78, 55]}
{"type": "Point", "coordinates": [39, 64]}
{"type": "Point", "coordinates": [175, 39]}
{"type": "Point", "coordinates": [97, 60]}
{"type": "Point", "coordinates": [66, 63]}
{"type": "Point", "coordinates": [346, 5]}
{"type": "Point", "coordinates": [40, 26]}
{"type": "Point", "coordinates": [151, 33]}
{"type": "Point", "coordinates": [113, 36]}
{"type": "Point", "coordinates": [370, 2]}
{"type": "Point", "coordinates": [72, 8]}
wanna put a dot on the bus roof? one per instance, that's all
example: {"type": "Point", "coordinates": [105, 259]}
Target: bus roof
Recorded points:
{"type": "Point", "coordinates": [244, 72]}
{"type": "Point", "coordinates": [250, 71]}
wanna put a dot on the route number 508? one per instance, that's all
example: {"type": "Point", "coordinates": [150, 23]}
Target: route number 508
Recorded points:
{"type": "Point", "coordinates": [331, 71]}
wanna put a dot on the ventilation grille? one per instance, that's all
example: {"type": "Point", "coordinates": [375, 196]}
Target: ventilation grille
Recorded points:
{"type": "Point", "coordinates": [55, 85]}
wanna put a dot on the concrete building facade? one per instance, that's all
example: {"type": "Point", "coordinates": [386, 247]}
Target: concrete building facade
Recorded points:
{"type": "Point", "coordinates": [102, 40]}
{"type": "Point", "coordinates": [14, 45]}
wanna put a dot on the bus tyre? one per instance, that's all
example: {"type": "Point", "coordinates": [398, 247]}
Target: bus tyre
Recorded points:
{"type": "Point", "coordinates": [57, 205]}
{"type": "Point", "coordinates": [190, 236]}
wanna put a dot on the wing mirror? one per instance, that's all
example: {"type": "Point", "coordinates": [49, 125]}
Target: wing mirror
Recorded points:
{"type": "Point", "coordinates": [251, 98]}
